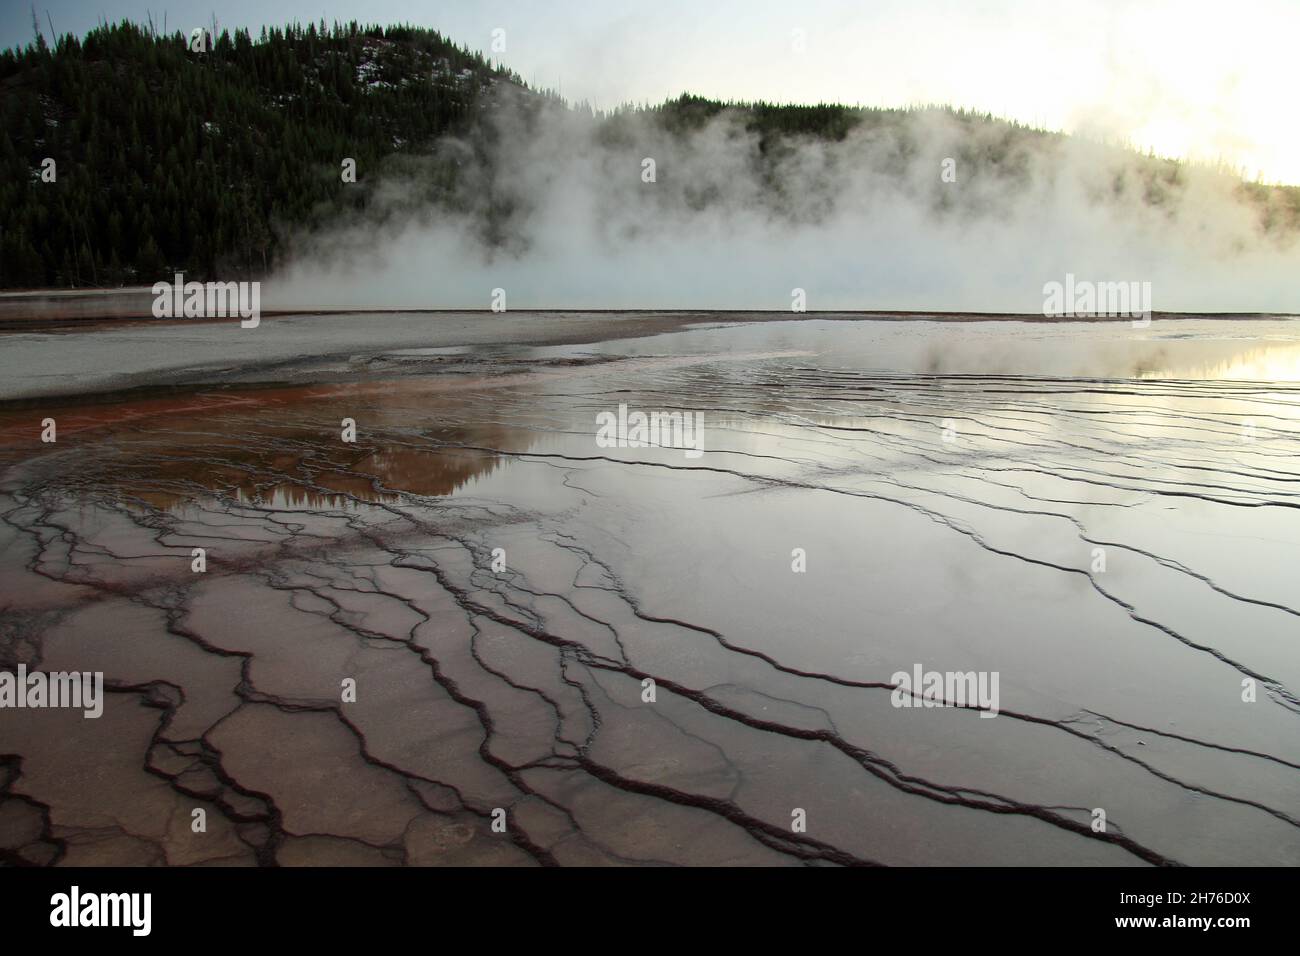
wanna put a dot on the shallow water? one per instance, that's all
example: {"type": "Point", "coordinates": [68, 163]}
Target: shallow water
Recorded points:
{"type": "Point", "coordinates": [1104, 517]}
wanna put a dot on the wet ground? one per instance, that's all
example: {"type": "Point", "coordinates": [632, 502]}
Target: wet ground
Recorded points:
{"type": "Point", "coordinates": [636, 655]}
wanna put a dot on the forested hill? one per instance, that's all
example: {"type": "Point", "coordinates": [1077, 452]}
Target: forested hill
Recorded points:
{"type": "Point", "coordinates": [209, 162]}
{"type": "Point", "coordinates": [167, 158]}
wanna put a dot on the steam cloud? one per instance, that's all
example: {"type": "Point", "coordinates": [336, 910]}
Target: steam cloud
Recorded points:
{"type": "Point", "coordinates": [549, 205]}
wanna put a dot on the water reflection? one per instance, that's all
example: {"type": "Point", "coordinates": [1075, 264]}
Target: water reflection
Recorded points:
{"type": "Point", "coordinates": [1267, 363]}
{"type": "Point", "coordinates": [280, 448]}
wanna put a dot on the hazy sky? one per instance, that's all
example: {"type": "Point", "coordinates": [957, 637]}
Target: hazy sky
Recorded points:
{"type": "Point", "coordinates": [1193, 78]}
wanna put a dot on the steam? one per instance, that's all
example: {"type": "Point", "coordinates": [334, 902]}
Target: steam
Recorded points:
{"type": "Point", "coordinates": [549, 205]}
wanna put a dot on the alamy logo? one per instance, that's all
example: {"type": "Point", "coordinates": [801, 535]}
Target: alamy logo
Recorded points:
{"type": "Point", "coordinates": [626, 429]}
{"type": "Point", "coordinates": [1084, 299]}
{"type": "Point", "coordinates": [77, 689]}
{"type": "Point", "coordinates": [946, 689]}
{"type": "Point", "coordinates": [103, 909]}
{"type": "Point", "coordinates": [208, 300]}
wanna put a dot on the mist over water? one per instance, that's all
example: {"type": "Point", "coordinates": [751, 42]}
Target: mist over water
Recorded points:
{"type": "Point", "coordinates": [656, 487]}
{"type": "Point", "coordinates": [550, 206]}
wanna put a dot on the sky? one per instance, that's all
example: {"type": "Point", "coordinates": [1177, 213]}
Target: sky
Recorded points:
{"type": "Point", "coordinates": [1209, 81]}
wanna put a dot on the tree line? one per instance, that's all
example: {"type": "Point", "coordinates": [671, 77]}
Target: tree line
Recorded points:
{"type": "Point", "coordinates": [167, 158]}
{"type": "Point", "coordinates": [132, 154]}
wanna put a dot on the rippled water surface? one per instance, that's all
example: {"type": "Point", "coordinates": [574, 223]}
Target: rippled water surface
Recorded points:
{"type": "Point", "coordinates": [1104, 517]}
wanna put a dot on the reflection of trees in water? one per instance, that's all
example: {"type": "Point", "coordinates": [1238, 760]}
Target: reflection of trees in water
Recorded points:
{"type": "Point", "coordinates": [294, 468]}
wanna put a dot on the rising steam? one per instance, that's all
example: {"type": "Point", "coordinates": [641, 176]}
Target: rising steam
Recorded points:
{"type": "Point", "coordinates": [549, 204]}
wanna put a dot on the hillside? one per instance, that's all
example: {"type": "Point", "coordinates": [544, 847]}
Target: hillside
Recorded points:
{"type": "Point", "coordinates": [167, 158]}
{"type": "Point", "coordinates": [216, 163]}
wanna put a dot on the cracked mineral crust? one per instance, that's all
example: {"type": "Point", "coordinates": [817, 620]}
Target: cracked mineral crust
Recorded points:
{"type": "Point", "coordinates": [478, 636]}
